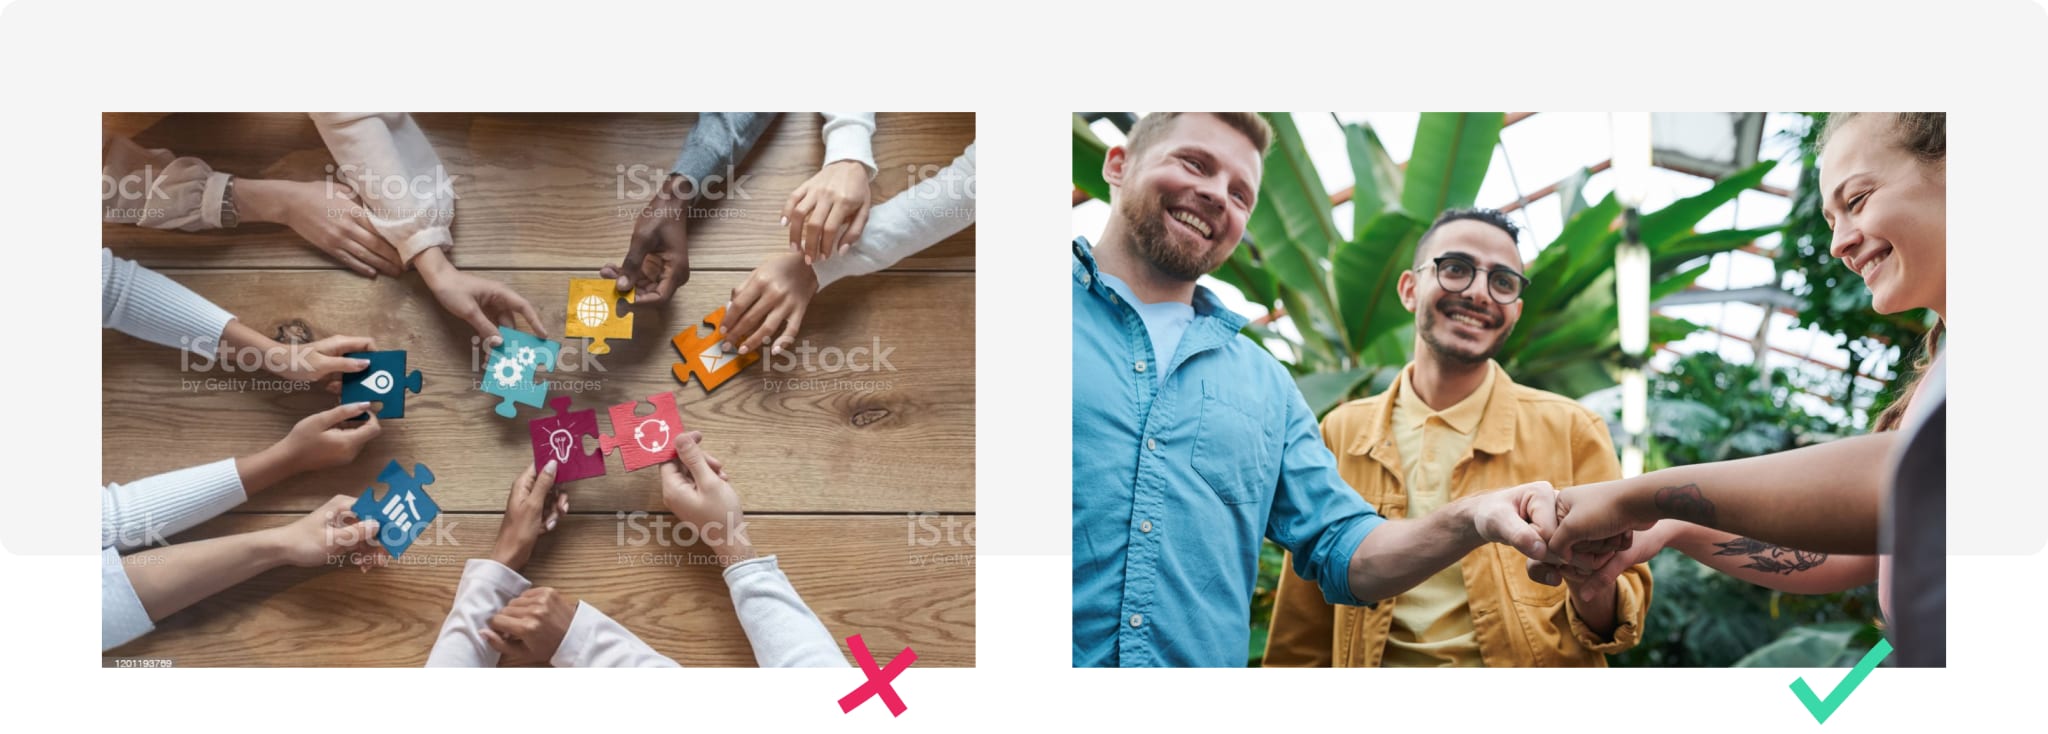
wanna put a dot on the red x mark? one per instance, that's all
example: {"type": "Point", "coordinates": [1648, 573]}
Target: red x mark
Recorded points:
{"type": "Point", "coordinates": [878, 678]}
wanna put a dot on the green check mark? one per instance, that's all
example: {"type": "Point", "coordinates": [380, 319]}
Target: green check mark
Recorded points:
{"type": "Point", "coordinates": [1823, 708]}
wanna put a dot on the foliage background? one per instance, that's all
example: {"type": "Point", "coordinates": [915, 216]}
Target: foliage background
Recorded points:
{"type": "Point", "coordinates": [1351, 336]}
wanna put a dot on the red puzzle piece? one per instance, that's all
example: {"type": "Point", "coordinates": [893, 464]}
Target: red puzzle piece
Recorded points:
{"type": "Point", "coordinates": [652, 438]}
{"type": "Point", "coordinates": [703, 357]}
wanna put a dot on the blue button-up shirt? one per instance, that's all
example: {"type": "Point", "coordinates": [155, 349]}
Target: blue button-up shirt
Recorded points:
{"type": "Point", "coordinates": [1176, 480]}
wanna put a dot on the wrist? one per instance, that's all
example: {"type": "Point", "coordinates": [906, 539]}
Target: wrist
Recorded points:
{"type": "Point", "coordinates": [259, 200]}
{"type": "Point", "coordinates": [270, 548]}
{"type": "Point", "coordinates": [261, 470]}
{"type": "Point", "coordinates": [433, 265]}
{"type": "Point", "coordinates": [733, 552]}
{"type": "Point", "coordinates": [509, 555]}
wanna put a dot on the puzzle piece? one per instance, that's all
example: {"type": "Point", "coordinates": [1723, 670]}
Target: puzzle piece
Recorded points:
{"type": "Point", "coordinates": [593, 312]}
{"type": "Point", "coordinates": [703, 357]}
{"type": "Point", "coordinates": [404, 511]}
{"type": "Point", "coordinates": [385, 382]}
{"type": "Point", "coordinates": [653, 438]}
{"type": "Point", "coordinates": [512, 367]}
{"type": "Point", "coordinates": [560, 437]}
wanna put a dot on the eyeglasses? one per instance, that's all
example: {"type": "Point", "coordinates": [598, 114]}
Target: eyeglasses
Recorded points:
{"type": "Point", "coordinates": [1455, 275]}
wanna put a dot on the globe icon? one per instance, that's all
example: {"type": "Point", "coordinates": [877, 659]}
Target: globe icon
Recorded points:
{"type": "Point", "coordinates": [593, 311]}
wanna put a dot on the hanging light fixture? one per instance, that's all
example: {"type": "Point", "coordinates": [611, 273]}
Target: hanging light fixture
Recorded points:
{"type": "Point", "coordinates": [1631, 166]}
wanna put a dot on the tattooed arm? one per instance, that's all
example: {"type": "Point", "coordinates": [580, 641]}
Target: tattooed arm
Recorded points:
{"type": "Point", "coordinates": [1824, 498]}
{"type": "Point", "coordinates": [1768, 565]}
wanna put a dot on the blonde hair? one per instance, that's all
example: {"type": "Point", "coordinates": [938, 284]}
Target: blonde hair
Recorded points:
{"type": "Point", "coordinates": [1151, 126]}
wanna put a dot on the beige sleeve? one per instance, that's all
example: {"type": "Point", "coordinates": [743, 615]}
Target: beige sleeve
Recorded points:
{"type": "Point", "coordinates": [387, 159]}
{"type": "Point", "coordinates": [157, 189]}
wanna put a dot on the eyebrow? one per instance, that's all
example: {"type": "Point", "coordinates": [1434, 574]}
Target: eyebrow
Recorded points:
{"type": "Point", "coordinates": [1836, 195]}
{"type": "Point", "coordinates": [1467, 257]}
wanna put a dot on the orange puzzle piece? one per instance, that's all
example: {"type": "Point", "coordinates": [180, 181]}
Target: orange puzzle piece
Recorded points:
{"type": "Point", "coordinates": [593, 312]}
{"type": "Point", "coordinates": [703, 357]}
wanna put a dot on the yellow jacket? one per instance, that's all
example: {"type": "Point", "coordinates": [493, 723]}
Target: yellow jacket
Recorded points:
{"type": "Point", "coordinates": [1525, 435]}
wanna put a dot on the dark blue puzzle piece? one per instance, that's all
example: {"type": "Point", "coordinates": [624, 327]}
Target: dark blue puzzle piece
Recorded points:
{"type": "Point", "coordinates": [384, 382]}
{"type": "Point", "coordinates": [404, 511]}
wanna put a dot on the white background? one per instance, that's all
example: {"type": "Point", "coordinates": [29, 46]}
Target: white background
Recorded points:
{"type": "Point", "coordinates": [1023, 67]}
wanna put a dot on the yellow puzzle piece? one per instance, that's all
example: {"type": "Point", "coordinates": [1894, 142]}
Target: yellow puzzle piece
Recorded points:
{"type": "Point", "coordinates": [593, 312]}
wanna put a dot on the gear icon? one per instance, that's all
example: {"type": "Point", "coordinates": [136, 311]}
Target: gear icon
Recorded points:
{"type": "Point", "coordinates": [506, 372]}
{"type": "Point", "coordinates": [528, 356]}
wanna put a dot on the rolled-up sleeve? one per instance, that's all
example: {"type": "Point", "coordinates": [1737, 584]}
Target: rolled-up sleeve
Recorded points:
{"type": "Point", "coordinates": [122, 617]}
{"type": "Point", "coordinates": [388, 161]}
{"type": "Point", "coordinates": [719, 140]}
{"type": "Point", "coordinates": [1315, 514]}
{"type": "Point", "coordinates": [152, 187]}
{"type": "Point", "coordinates": [849, 136]}
{"type": "Point", "coordinates": [1594, 460]}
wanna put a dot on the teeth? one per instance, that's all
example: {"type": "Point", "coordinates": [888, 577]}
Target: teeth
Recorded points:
{"type": "Point", "coordinates": [1463, 319]}
{"type": "Point", "coordinates": [1870, 266]}
{"type": "Point", "coordinates": [1190, 220]}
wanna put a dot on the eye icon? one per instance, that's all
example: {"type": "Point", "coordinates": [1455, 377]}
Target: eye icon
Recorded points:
{"type": "Point", "coordinates": [378, 382]}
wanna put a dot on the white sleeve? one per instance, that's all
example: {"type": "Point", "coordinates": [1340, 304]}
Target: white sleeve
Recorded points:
{"type": "Point", "coordinates": [122, 618]}
{"type": "Point", "coordinates": [936, 208]}
{"type": "Point", "coordinates": [144, 304]}
{"type": "Point", "coordinates": [390, 163]}
{"type": "Point", "coordinates": [849, 136]}
{"type": "Point", "coordinates": [486, 587]}
{"type": "Point", "coordinates": [595, 641]}
{"type": "Point", "coordinates": [146, 511]}
{"type": "Point", "coordinates": [784, 632]}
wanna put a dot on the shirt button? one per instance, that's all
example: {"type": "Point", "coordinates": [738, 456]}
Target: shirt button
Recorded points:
{"type": "Point", "coordinates": [1087, 279]}
{"type": "Point", "coordinates": [1151, 444]}
{"type": "Point", "coordinates": [1141, 365]}
{"type": "Point", "coordinates": [1137, 620]}
{"type": "Point", "coordinates": [1145, 526]}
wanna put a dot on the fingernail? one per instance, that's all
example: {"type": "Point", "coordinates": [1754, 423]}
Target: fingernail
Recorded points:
{"type": "Point", "coordinates": [549, 469]}
{"type": "Point", "coordinates": [743, 349]}
{"type": "Point", "coordinates": [807, 259]}
{"type": "Point", "coordinates": [844, 248]}
{"type": "Point", "coordinates": [551, 524]}
{"type": "Point", "coordinates": [361, 364]}
{"type": "Point", "coordinates": [785, 223]}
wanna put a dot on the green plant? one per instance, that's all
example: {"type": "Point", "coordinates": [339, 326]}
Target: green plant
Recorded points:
{"type": "Point", "coordinates": [1340, 294]}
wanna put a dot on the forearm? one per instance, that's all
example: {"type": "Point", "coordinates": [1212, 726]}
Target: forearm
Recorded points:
{"type": "Point", "coordinates": [386, 158]}
{"type": "Point", "coordinates": [936, 208]}
{"type": "Point", "coordinates": [1823, 498]}
{"type": "Point", "coordinates": [1399, 554]}
{"type": "Point", "coordinates": [264, 469]}
{"type": "Point", "coordinates": [1597, 613]}
{"type": "Point", "coordinates": [171, 578]}
{"type": "Point", "coordinates": [1769, 565]}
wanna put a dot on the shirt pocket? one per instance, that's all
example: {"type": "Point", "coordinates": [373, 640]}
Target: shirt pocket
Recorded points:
{"type": "Point", "coordinates": [1521, 588]}
{"type": "Point", "coordinates": [1230, 452]}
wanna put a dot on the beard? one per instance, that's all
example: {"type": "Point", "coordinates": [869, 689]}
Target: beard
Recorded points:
{"type": "Point", "coordinates": [1174, 253]}
{"type": "Point", "coordinates": [1454, 352]}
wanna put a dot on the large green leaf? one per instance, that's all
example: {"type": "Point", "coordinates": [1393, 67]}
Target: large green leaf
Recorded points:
{"type": "Point", "coordinates": [1243, 271]}
{"type": "Point", "coordinates": [1377, 178]}
{"type": "Point", "coordinates": [1677, 252]}
{"type": "Point", "coordinates": [1088, 154]}
{"type": "Point", "coordinates": [1452, 151]}
{"type": "Point", "coordinates": [1812, 646]}
{"type": "Point", "coordinates": [1667, 225]}
{"type": "Point", "coordinates": [1368, 274]}
{"type": "Point", "coordinates": [1325, 390]}
{"type": "Point", "coordinates": [1676, 283]}
{"type": "Point", "coordinates": [1291, 223]}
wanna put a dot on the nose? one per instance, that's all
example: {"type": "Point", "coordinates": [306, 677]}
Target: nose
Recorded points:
{"type": "Point", "coordinates": [1846, 236]}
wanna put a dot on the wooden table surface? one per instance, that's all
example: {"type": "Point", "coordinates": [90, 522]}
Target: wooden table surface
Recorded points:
{"type": "Point", "coordinates": [861, 482]}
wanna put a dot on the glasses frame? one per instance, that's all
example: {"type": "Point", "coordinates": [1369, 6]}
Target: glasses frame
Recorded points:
{"type": "Point", "coordinates": [1438, 264]}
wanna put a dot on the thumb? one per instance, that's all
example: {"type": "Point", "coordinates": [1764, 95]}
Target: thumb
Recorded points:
{"type": "Point", "coordinates": [692, 456]}
{"type": "Point", "coordinates": [1521, 535]}
{"type": "Point", "coordinates": [497, 643]}
{"type": "Point", "coordinates": [485, 329]}
{"type": "Point", "coordinates": [346, 344]}
{"type": "Point", "coordinates": [334, 416]}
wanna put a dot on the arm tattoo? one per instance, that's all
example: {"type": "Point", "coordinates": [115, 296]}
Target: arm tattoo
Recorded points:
{"type": "Point", "coordinates": [1685, 503]}
{"type": "Point", "coordinates": [1770, 558]}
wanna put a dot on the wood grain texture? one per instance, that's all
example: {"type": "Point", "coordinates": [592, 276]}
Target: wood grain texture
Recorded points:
{"type": "Point", "coordinates": [836, 466]}
{"type": "Point", "coordinates": [864, 575]}
{"type": "Point", "coordinates": [552, 191]}
{"type": "Point", "coordinates": [796, 441]}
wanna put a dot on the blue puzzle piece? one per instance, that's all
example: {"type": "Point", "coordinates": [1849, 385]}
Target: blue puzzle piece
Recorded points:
{"type": "Point", "coordinates": [511, 370]}
{"type": "Point", "coordinates": [385, 382]}
{"type": "Point", "coordinates": [404, 511]}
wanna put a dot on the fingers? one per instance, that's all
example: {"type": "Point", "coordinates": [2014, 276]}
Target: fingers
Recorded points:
{"type": "Point", "coordinates": [498, 643]}
{"type": "Point", "coordinates": [544, 481]}
{"type": "Point", "coordinates": [799, 212]}
{"type": "Point", "coordinates": [857, 228]}
{"type": "Point", "coordinates": [527, 312]}
{"type": "Point", "coordinates": [814, 230]}
{"type": "Point", "coordinates": [339, 345]}
{"type": "Point", "coordinates": [1524, 538]}
{"type": "Point", "coordinates": [356, 438]}
{"type": "Point", "coordinates": [674, 274]}
{"type": "Point", "coordinates": [789, 329]}
{"type": "Point", "coordinates": [767, 328]}
{"type": "Point", "coordinates": [833, 231]}
{"type": "Point", "coordinates": [741, 307]}
{"type": "Point", "coordinates": [692, 456]}
{"type": "Point", "coordinates": [749, 330]}
{"type": "Point", "coordinates": [335, 416]}
{"type": "Point", "coordinates": [1544, 573]}
{"type": "Point", "coordinates": [485, 329]}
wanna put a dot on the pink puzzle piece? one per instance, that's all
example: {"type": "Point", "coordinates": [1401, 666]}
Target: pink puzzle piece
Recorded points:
{"type": "Point", "coordinates": [560, 437]}
{"type": "Point", "coordinates": [645, 440]}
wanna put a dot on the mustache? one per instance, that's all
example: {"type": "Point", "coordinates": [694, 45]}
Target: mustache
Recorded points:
{"type": "Point", "coordinates": [1454, 307]}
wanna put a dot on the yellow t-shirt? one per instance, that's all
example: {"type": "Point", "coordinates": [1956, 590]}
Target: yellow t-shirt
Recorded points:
{"type": "Point", "coordinates": [1433, 621]}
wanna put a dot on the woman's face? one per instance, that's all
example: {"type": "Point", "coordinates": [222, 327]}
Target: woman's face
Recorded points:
{"type": "Point", "coordinates": [1889, 213]}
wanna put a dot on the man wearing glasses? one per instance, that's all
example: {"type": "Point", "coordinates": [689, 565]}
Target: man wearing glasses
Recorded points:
{"type": "Point", "coordinates": [1454, 425]}
{"type": "Point", "coordinates": [1191, 444]}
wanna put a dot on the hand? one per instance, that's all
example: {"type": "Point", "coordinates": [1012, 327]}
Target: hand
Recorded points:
{"type": "Point", "coordinates": [481, 302]}
{"type": "Point", "coordinates": [530, 627]}
{"type": "Point", "coordinates": [695, 488]}
{"type": "Point", "coordinates": [319, 361]}
{"type": "Point", "coordinates": [324, 440]}
{"type": "Point", "coordinates": [828, 212]}
{"type": "Point", "coordinates": [329, 216]}
{"type": "Point", "coordinates": [771, 302]}
{"type": "Point", "coordinates": [1590, 584]}
{"type": "Point", "coordinates": [328, 533]}
{"type": "Point", "coordinates": [658, 256]}
{"type": "Point", "coordinates": [531, 508]}
{"type": "Point", "coordinates": [1593, 520]}
{"type": "Point", "coordinates": [1515, 516]}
